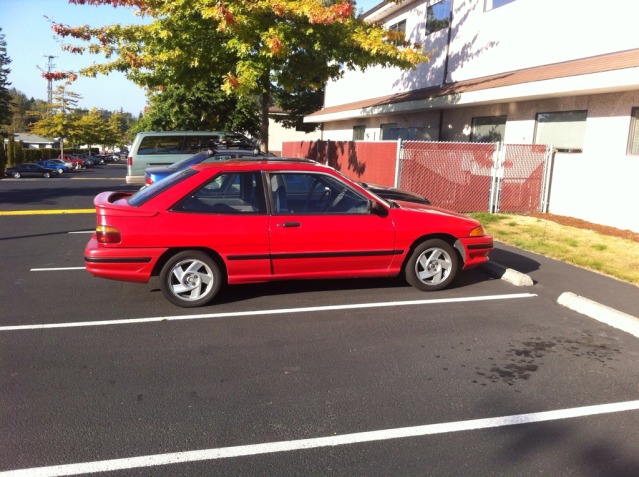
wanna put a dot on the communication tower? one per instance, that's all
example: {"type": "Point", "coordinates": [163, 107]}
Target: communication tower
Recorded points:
{"type": "Point", "coordinates": [49, 65]}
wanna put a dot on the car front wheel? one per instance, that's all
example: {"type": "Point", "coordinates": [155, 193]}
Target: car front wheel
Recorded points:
{"type": "Point", "coordinates": [16, 175]}
{"type": "Point", "coordinates": [46, 175]}
{"type": "Point", "coordinates": [432, 265]}
{"type": "Point", "coordinates": [190, 279]}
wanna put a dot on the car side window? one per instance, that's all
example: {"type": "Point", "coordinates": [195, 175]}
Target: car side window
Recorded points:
{"type": "Point", "coordinates": [316, 194]}
{"type": "Point", "coordinates": [227, 193]}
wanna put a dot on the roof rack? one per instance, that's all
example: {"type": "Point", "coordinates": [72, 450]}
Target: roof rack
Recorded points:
{"type": "Point", "coordinates": [275, 158]}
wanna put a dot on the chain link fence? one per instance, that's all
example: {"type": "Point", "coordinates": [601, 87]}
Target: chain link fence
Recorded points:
{"type": "Point", "coordinates": [476, 177]}
{"type": "Point", "coordinates": [460, 176]}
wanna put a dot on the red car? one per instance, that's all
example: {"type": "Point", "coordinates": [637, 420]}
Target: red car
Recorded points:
{"type": "Point", "coordinates": [248, 221]}
{"type": "Point", "coordinates": [75, 162]}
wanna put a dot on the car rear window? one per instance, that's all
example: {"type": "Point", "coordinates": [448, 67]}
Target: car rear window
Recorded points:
{"type": "Point", "coordinates": [144, 195]}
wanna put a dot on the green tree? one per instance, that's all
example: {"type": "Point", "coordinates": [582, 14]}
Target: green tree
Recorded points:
{"type": "Point", "coordinates": [24, 111]}
{"type": "Point", "coordinates": [61, 121]}
{"type": "Point", "coordinates": [5, 95]}
{"type": "Point", "coordinates": [92, 128]}
{"type": "Point", "coordinates": [199, 107]}
{"type": "Point", "coordinates": [118, 126]}
{"type": "Point", "coordinates": [248, 48]}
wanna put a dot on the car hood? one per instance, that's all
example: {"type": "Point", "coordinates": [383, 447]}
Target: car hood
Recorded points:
{"type": "Point", "coordinates": [431, 210]}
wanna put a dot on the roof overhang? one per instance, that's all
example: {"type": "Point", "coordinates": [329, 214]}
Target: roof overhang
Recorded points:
{"type": "Point", "coordinates": [602, 74]}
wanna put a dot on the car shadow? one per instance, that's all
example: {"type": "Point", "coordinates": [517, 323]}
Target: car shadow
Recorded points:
{"type": "Point", "coordinates": [513, 260]}
{"type": "Point", "coordinates": [230, 294]}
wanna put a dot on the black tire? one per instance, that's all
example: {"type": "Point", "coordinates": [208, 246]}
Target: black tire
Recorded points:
{"type": "Point", "coordinates": [46, 175]}
{"type": "Point", "coordinates": [432, 265]}
{"type": "Point", "coordinates": [190, 279]}
{"type": "Point", "coordinates": [16, 175]}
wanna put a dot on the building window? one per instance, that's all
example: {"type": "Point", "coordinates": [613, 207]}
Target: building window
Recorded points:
{"type": "Point", "coordinates": [438, 17]}
{"type": "Point", "coordinates": [565, 130]}
{"type": "Point", "coordinates": [400, 28]}
{"type": "Point", "coordinates": [633, 140]}
{"type": "Point", "coordinates": [488, 129]}
{"type": "Point", "coordinates": [492, 4]}
{"type": "Point", "coordinates": [358, 133]}
{"type": "Point", "coordinates": [389, 131]}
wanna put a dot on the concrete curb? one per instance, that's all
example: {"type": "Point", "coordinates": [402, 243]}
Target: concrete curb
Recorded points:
{"type": "Point", "coordinates": [507, 274]}
{"type": "Point", "coordinates": [599, 312]}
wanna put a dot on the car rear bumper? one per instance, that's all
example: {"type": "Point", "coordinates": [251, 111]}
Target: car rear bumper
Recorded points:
{"type": "Point", "coordinates": [127, 264]}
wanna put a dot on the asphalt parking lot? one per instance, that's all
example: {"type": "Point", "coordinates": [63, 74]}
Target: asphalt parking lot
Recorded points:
{"type": "Point", "coordinates": [358, 377]}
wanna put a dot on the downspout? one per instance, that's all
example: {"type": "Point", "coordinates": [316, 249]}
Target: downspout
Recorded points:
{"type": "Point", "coordinates": [450, 34]}
{"type": "Point", "coordinates": [445, 79]}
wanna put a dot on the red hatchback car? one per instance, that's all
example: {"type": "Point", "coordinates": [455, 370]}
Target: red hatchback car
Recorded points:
{"type": "Point", "coordinates": [248, 221]}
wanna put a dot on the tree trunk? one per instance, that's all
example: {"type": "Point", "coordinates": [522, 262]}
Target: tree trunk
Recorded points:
{"type": "Point", "coordinates": [266, 104]}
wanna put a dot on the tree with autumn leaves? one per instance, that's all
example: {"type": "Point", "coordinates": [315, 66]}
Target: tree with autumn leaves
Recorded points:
{"type": "Point", "coordinates": [257, 51]}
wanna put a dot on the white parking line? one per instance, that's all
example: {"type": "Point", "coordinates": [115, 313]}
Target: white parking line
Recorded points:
{"type": "Point", "coordinates": [56, 269]}
{"type": "Point", "coordinates": [265, 312]}
{"type": "Point", "coordinates": [341, 440]}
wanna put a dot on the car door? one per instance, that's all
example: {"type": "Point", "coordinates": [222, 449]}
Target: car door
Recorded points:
{"type": "Point", "coordinates": [227, 215]}
{"type": "Point", "coordinates": [31, 171]}
{"type": "Point", "coordinates": [322, 227]}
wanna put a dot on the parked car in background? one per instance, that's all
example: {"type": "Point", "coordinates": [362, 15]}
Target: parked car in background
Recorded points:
{"type": "Point", "coordinates": [154, 174]}
{"type": "Point", "coordinates": [93, 160]}
{"type": "Point", "coordinates": [30, 169]}
{"type": "Point", "coordinates": [247, 221]}
{"type": "Point", "coordinates": [118, 156]}
{"type": "Point", "coordinates": [162, 148]}
{"type": "Point", "coordinates": [56, 164]}
{"type": "Point", "coordinates": [76, 162]}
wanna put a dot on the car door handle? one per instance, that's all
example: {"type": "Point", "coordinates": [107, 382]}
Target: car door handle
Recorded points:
{"type": "Point", "coordinates": [291, 224]}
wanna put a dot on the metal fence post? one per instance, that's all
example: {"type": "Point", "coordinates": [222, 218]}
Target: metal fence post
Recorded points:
{"type": "Point", "coordinates": [497, 174]}
{"type": "Point", "coordinates": [398, 159]}
{"type": "Point", "coordinates": [545, 185]}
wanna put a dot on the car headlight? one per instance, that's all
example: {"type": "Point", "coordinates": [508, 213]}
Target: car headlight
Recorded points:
{"type": "Point", "coordinates": [478, 231]}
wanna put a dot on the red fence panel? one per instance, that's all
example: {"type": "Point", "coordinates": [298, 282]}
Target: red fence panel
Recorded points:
{"type": "Point", "coordinates": [455, 176]}
{"type": "Point", "coordinates": [372, 162]}
{"type": "Point", "coordinates": [521, 186]}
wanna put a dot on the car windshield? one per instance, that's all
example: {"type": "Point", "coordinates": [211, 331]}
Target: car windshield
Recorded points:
{"type": "Point", "coordinates": [144, 195]}
{"type": "Point", "coordinates": [199, 157]}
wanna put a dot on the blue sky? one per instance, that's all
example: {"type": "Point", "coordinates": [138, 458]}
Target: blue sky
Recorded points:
{"type": "Point", "coordinates": [28, 36]}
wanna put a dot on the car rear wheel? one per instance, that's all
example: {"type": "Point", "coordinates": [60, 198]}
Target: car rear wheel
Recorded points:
{"type": "Point", "coordinates": [432, 265]}
{"type": "Point", "coordinates": [190, 279]}
{"type": "Point", "coordinates": [46, 175]}
{"type": "Point", "coordinates": [16, 175]}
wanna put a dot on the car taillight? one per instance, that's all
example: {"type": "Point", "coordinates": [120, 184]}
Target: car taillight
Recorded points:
{"type": "Point", "coordinates": [129, 161]}
{"type": "Point", "coordinates": [148, 181]}
{"type": "Point", "coordinates": [107, 234]}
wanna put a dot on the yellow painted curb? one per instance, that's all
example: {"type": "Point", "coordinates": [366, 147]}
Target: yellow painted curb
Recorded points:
{"type": "Point", "coordinates": [47, 212]}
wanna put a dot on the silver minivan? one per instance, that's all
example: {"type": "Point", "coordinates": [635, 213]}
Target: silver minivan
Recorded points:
{"type": "Point", "coordinates": [162, 148]}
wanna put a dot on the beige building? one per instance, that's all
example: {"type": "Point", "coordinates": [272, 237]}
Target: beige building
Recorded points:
{"type": "Point", "coordinates": [564, 73]}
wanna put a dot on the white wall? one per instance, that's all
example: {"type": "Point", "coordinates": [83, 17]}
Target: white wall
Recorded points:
{"type": "Point", "coordinates": [596, 189]}
{"type": "Point", "coordinates": [376, 82]}
{"type": "Point", "coordinates": [277, 134]}
{"type": "Point", "coordinates": [521, 34]}
{"type": "Point", "coordinates": [528, 33]}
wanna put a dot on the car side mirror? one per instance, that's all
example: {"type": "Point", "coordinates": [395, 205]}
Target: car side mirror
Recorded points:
{"type": "Point", "coordinates": [375, 208]}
